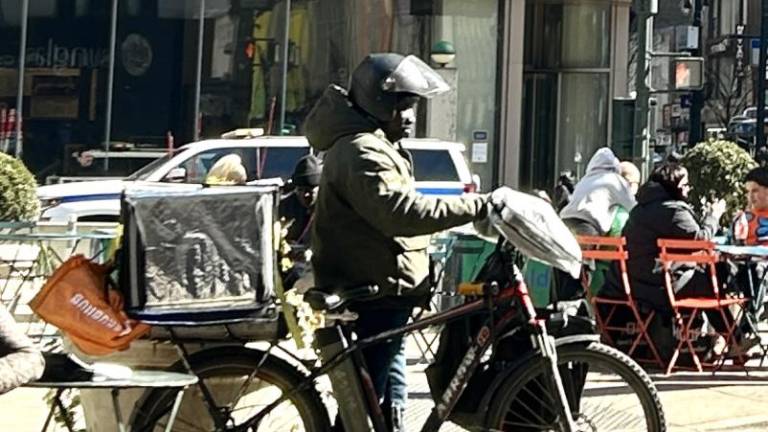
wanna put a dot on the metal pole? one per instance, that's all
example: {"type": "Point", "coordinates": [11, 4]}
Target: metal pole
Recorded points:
{"type": "Point", "coordinates": [759, 124]}
{"type": "Point", "coordinates": [697, 96]}
{"type": "Point", "coordinates": [284, 72]}
{"type": "Point", "coordinates": [199, 71]}
{"type": "Point", "coordinates": [22, 65]}
{"type": "Point", "coordinates": [110, 83]}
{"type": "Point", "coordinates": [640, 151]}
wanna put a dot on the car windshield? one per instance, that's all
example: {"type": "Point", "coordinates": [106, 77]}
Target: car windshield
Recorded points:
{"type": "Point", "coordinates": [149, 168]}
{"type": "Point", "coordinates": [279, 161]}
{"type": "Point", "coordinates": [433, 165]}
{"type": "Point", "coordinates": [742, 128]}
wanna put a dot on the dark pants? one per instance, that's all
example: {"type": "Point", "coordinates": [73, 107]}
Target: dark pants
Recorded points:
{"type": "Point", "coordinates": [385, 361]}
{"type": "Point", "coordinates": [750, 280]}
{"type": "Point", "coordinates": [700, 285]}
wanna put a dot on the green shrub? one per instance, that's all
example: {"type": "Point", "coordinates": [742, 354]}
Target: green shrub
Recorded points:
{"type": "Point", "coordinates": [716, 169]}
{"type": "Point", "coordinates": [18, 197]}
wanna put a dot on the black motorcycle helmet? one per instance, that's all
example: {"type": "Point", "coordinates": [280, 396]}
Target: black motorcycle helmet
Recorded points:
{"type": "Point", "coordinates": [381, 80]}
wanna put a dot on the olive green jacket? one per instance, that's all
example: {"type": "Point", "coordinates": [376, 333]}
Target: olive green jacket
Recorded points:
{"type": "Point", "coordinates": [371, 225]}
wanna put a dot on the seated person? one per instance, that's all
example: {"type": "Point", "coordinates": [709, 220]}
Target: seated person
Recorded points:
{"type": "Point", "coordinates": [20, 361]}
{"type": "Point", "coordinates": [228, 170]}
{"type": "Point", "coordinates": [631, 174]}
{"type": "Point", "coordinates": [592, 208]}
{"type": "Point", "coordinates": [750, 227]}
{"type": "Point", "coordinates": [662, 212]}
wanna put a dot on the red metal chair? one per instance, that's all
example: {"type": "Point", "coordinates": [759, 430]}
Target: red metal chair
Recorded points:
{"type": "Point", "coordinates": [613, 249]}
{"type": "Point", "coordinates": [687, 309]}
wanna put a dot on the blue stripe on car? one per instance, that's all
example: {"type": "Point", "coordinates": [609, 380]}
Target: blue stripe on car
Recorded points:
{"type": "Point", "coordinates": [441, 191]}
{"type": "Point", "coordinates": [93, 197]}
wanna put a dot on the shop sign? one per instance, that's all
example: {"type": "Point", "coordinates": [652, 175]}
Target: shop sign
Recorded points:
{"type": "Point", "coordinates": [53, 55]}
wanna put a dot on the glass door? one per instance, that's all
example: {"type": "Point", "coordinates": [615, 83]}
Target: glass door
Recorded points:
{"type": "Point", "coordinates": [539, 130]}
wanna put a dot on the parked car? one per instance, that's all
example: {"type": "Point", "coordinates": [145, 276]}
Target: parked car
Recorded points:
{"type": "Point", "coordinates": [439, 166]}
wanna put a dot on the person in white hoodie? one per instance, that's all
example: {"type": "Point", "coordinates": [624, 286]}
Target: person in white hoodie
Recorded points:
{"type": "Point", "coordinates": [594, 204]}
{"type": "Point", "coordinates": [596, 195]}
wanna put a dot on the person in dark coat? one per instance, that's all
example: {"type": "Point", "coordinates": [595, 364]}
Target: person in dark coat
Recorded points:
{"type": "Point", "coordinates": [662, 212]}
{"type": "Point", "coordinates": [297, 207]}
{"type": "Point", "coordinates": [296, 212]}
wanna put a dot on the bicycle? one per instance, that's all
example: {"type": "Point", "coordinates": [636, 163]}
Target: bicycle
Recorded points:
{"type": "Point", "coordinates": [570, 383]}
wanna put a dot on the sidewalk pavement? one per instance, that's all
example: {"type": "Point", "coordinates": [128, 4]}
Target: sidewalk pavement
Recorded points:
{"type": "Point", "coordinates": [693, 402]}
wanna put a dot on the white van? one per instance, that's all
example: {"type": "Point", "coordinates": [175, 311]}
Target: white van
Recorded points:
{"type": "Point", "coordinates": [439, 166]}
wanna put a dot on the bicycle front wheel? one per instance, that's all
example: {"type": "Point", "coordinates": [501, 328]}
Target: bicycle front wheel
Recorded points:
{"type": "Point", "coordinates": [240, 385]}
{"type": "Point", "coordinates": [606, 391]}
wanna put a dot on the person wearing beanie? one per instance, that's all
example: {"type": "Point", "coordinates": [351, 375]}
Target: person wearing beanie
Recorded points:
{"type": "Point", "coordinates": [297, 207]}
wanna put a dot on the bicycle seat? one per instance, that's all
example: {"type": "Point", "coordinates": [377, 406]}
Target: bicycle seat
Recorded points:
{"type": "Point", "coordinates": [320, 300]}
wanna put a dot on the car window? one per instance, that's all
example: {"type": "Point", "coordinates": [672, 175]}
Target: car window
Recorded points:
{"type": "Point", "coordinates": [149, 168]}
{"type": "Point", "coordinates": [434, 165]}
{"type": "Point", "coordinates": [197, 166]}
{"type": "Point", "coordinates": [259, 162]}
{"type": "Point", "coordinates": [279, 161]}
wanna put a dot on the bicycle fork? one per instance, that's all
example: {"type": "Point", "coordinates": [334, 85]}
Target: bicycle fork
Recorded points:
{"type": "Point", "coordinates": [546, 344]}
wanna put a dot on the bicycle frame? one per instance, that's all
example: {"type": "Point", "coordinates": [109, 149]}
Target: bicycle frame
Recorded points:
{"type": "Point", "coordinates": [472, 357]}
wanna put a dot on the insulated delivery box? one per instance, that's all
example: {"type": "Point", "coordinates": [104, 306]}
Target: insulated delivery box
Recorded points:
{"type": "Point", "coordinates": [201, 258]}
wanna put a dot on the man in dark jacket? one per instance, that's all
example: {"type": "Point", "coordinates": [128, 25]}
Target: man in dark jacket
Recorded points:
{"type": "Point", "coordinates": [371, 225]}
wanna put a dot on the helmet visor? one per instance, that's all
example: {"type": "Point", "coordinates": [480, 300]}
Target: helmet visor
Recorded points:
{"type": "Point", "coordinates": [412, 75]}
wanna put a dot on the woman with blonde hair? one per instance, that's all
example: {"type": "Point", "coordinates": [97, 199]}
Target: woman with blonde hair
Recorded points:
{"type": "Point", "coordinates": [228, 170]}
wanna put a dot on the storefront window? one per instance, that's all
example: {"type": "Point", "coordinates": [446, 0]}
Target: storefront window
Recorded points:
{"type": "Point", "coordinates": [64, 83]}
{"type": "Point", "coordinates": [584, 40]}
{"type": "Point", "coordinates": [189, 68]}
{"type": "Point", "coordinates": [583, 119]}
{"type": "Point", "coordinates": [567, 69]}
{"type": "Point", "coordinates": [10, 14]}
{"type": "Point", "coordinates": [155, 72]}
{"type": "Point", "coordinates": [242, 74]}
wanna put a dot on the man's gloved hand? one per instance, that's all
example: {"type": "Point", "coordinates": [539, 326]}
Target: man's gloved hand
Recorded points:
{"type": "Point", "coordinates": [495, 203]}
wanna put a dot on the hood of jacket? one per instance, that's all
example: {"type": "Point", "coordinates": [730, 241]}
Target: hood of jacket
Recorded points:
{"type": "Point", "coordinates": [652, 191]}
{"type": "Point", "coordinates": [333, 117]}
{"type": "Point", "coordinates": [603, 161]}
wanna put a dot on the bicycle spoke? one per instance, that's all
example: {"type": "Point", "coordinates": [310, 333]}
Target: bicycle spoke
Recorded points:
{"type": "Point", "coordinates": [192, 427]}
{"type": "Point", "coordinates": [241, 390]}
{"type": "Point", "coordinates": [602, 393]}
{"type": "Point", "coordinates": [530, 409]}
{"type": "Point", "coordinates": [542, 427]}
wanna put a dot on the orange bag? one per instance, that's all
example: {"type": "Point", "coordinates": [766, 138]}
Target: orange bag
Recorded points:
{"type": "Point", "coordinates": [76, 299]}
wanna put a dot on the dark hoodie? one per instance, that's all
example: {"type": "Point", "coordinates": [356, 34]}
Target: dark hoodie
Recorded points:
{"type": "Point", "coordinates": [658, 215]}
{"type": "Point", "coordinates": [371, 225]}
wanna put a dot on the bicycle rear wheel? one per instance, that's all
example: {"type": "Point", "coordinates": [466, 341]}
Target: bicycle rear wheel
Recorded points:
{"type": "Point", "coordinates": [241, 385]}
{"type": "Point", "coordinates": [606, 391]}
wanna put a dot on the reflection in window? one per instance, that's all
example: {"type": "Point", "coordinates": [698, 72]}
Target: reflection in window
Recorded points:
{"type": "Point", "coordinates": [585, 27]}
{"type": "Point", "coordinates": [583, 118]}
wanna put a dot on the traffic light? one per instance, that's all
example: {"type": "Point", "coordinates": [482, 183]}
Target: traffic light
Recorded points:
{"type": "Point", "coordinates": [687, 73]}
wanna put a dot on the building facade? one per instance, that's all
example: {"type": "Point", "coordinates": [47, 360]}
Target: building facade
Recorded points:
{"type": "Point", "coordinates": [533, 79]}
{"type": "Point", "coordinates": [566, 61]}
